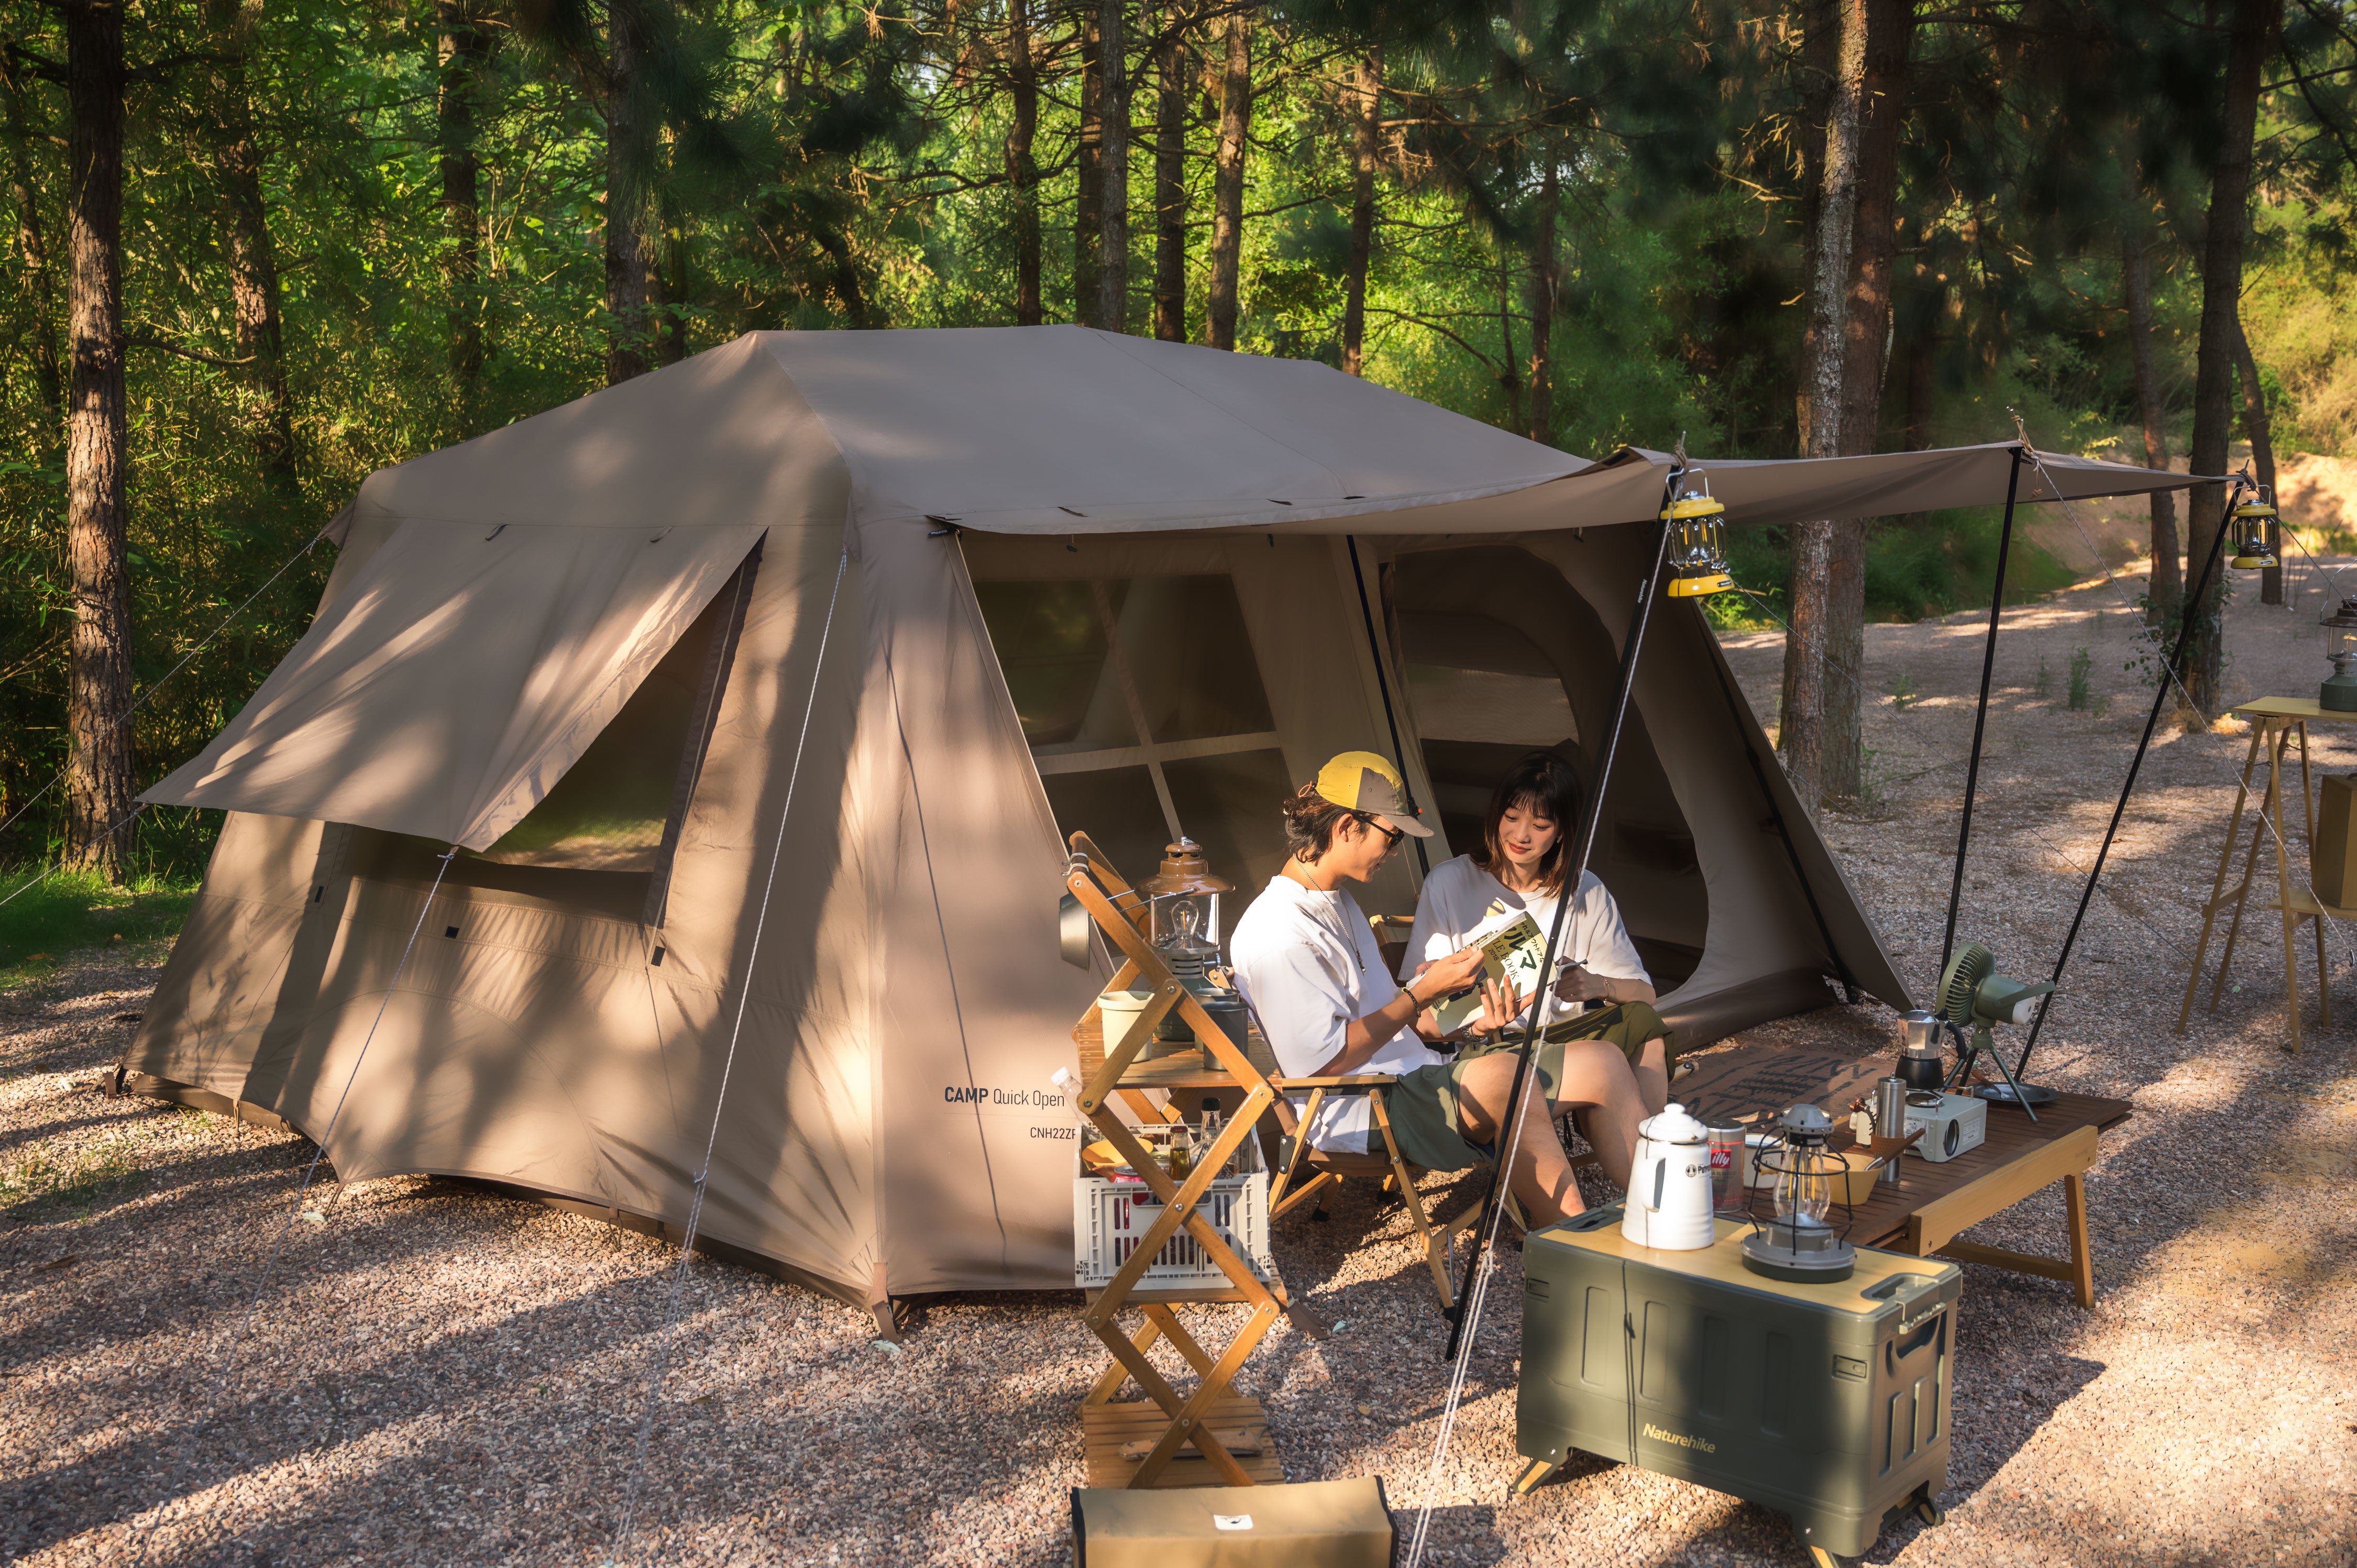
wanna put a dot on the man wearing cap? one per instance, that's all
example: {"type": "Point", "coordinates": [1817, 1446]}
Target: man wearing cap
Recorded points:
{"type": "Point", "coordinates": [1307, 964]}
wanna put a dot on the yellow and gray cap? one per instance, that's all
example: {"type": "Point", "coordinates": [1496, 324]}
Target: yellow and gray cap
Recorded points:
{"type": "Point", "coordinates": [1362, 781]}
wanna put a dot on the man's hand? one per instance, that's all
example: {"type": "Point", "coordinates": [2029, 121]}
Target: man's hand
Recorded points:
{"type": "Point", "coordinates": [1446, 976]}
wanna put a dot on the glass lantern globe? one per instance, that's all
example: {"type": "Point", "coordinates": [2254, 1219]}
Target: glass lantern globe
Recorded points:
{"type": "Point", "coordinates": [2253, 521]}
{"type": "Point", "coordinates": [2338, 694]}
{"type": "Point", "coordinates": [1697, 555]}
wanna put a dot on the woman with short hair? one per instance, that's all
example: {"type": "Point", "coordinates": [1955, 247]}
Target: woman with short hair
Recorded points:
{"type": "Point", "coordinates": [1307, 964]}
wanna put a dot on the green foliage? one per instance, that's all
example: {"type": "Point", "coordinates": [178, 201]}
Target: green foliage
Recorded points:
{"type": "Point", "coordinates": [1902, 690]}
{"type": "Point", "coordinates": [825, 164]}
{"type": "Point", "coordinates": [2077, 695]}
{"type": "Point", "coordinates": [68, 910]}
{"type": "Point", "coordinates": [2042, 687]}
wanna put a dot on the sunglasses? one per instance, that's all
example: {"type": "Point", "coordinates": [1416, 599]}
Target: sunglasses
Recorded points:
{"type": "Point", "coordinates": [1392, 836]}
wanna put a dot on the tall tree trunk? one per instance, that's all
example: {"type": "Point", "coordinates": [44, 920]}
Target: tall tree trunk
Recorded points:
{"type": "Point", "coordinates": [1865, 339]}
{"type": "Point", "coordinates": [669, 287]}
{"type": "Point", "coordinates": [1813, 757]}
{"type": "Point", "coordinates": [1865, 328]}
{"type": "Point", "coordinates": [2168, 586]}
{"type": "Point", "coordinates": [2251, 38]}
{"type": "Point", "coordinates": [464, 57]}
{"type": "Point", "coordinates": [1365, 100]}
{"type": "Point", "coordinates": [1088, 202]}
{"type": "Point", "coordinates": [1113, 242]}
{"type": "Point", "coordinates": [1170, 183]}
{"type": "Point", "coordinates": [39, 276]}
{"type": "Point", "coordinates": [1228, 183]}
{"type": "Point", "coordinates": [2260, 431]}
{"type": "Point", "coordinates": [1022, 168]}
{"type": "Point", "coordinates": [1544, 282]}
{"type": "Point", "coordinates": [98, 664]}
{"type": "Point", "coordinates": [628, 331]}
{"type": "Point", "coordinates": [246, 236]}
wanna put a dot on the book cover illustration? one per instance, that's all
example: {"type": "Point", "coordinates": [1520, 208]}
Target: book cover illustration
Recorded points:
{"type": "Point", "coordinates": [1511, 948]}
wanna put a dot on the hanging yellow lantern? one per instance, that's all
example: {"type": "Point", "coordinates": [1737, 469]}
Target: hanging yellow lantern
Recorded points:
{"type": "Point", "coordinates": [1697, 557]}
{"type": "Point", "coordinates": [2254, 518]}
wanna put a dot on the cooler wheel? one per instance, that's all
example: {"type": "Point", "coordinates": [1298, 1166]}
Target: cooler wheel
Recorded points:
{"type": "Point", "coordinates": [1820, 1558]}
{"type": "Point", "coordinates": [1928, 1511]}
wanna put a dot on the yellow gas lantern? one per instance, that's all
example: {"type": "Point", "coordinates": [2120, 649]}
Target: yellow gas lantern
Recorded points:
{"type": "Point", "coordinates": [2253, 523]}
{"type": "Point", "coordinates": [1697, 559]}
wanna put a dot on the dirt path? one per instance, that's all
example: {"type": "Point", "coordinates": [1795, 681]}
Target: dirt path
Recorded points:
{"type": "Point", "coordinates": [434, 1376]}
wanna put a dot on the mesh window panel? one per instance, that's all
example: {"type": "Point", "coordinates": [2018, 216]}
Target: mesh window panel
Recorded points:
{"type": "Point", "coordinates": [608, 812]}
{"type": "Point", "coordinates": [1232, 806]}
{"type": "Point", "coordinates": [1185, 641]}
{"type": "Point", "coordinates": [1119, 810]}
{"type": "Point", "coordinates": [1050, 642]}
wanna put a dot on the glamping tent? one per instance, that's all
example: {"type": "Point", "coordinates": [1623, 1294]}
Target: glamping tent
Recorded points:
{"type": "Point", "coordinates": [821, 641]}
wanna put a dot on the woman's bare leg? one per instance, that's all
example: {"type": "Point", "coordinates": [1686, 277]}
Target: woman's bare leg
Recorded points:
{"type": "Point", "coordinates": [1541, 1177]}
{"type": "Point", "coordinates": [1604, 1097]}
{"type": "Point", "coordinates": [1653, 1076]}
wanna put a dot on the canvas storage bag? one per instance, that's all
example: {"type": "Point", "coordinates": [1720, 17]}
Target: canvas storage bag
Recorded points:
{"type": "Point", "coordinates": [1317, 1524]}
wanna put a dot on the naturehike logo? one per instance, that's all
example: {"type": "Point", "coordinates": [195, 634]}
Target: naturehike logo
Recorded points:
{"type": "Point", "coordinates": [1699, 1444]}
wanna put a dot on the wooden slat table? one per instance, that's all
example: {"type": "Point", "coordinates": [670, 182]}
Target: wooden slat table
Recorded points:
{"type": "Point", "coordinates": [2275, 722]}
{"type": "Point", "coordinates": [1929, 1205]}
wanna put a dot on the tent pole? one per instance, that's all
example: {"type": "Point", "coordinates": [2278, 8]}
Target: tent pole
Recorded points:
{"type": "Point", "coordinates": [1375, 652]}
{"type": "Point", "coordinates": [2151, 722]}
{"type": "Point", "coordinates": [1509, 1135]}
{"type": "Point", "coordinates": [1980, 719]}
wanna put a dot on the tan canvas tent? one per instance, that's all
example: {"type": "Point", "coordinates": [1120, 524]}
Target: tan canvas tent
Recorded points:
{"type": "Point", "coordinates": [954, 593]}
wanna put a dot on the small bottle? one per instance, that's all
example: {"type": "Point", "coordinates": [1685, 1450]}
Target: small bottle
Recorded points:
{"type": "Point", "coordinates": [1182, 1151]}
{"type": "Point", "coordinates": [1209, 1133]}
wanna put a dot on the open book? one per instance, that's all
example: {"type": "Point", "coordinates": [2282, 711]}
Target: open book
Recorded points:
{"type": "Point", "coordinates": [1511, 948]}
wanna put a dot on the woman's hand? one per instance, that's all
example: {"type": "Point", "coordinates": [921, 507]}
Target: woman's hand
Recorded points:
{"type": "Point", "coordinates": [1500, 1005]}
{"type": "Point", "coordinates": [1575, 985]}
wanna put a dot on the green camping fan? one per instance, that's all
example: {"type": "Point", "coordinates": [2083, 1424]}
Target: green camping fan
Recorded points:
{"type": "Point", "coordinates": [1973, 995]}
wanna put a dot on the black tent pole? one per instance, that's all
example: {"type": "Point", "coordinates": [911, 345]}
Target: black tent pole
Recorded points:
{"type": "Point", "coordinates": [2151, 722]}
{"type": "Point", "coordinates": [1980, 722]}
{"type": "Point", "coordinates": [1485, 1229]}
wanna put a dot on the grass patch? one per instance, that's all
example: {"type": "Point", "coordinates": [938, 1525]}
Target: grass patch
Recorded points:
{"type": "Point", "coordinates": [78, 909]}
{"type": "Point", "coordinates": [80, 1182]}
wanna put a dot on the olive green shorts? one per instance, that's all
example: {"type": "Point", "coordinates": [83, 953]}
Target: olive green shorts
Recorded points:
{"type": "Point", "coordinates": [1422, 1105]}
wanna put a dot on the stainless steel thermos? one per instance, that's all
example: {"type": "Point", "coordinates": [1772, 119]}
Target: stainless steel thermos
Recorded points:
{"type": "Point", "coordinates": [1890, 1121]}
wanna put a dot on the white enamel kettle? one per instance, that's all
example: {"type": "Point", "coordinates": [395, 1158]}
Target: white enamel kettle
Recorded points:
{"type": "Point", "coordinates": [1669, 1186]}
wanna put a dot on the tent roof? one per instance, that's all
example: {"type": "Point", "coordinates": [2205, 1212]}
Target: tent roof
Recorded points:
{"type": "Point", "coordinates": [1055, 430]}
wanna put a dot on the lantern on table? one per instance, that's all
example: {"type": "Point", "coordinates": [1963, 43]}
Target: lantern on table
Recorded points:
{"type": "Point", "coordinates": [1698, 557]}
{"type": "Point", "coordinates": [2338, 692]}
{"type": "Point", "coordinates": [1183, 924]}
{"type": "Point", "coordinates": [2253, 520]}
{"type": "Point", "coordinates": [1800, 1244]}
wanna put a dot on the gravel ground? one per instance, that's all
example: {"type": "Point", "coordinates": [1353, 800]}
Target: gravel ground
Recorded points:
{"type": "Point", "coordinates": [438, 1375]}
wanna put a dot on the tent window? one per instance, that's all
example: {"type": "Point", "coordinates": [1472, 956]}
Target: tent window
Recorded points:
{"type": "Point", "coordinates": [616, 809]}
{"type": "Point", "coordinates": [1143, 708]}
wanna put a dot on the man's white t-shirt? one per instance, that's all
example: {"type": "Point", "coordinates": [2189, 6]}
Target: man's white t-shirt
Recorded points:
{"type": "Point", "coordinates": [1308, 967]}
{"type": "Point", "coordinates": [1459, 895]}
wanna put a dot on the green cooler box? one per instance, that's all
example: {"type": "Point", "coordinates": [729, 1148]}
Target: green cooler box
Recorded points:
{"type": "Point", "coordinates": [1828, 1402]}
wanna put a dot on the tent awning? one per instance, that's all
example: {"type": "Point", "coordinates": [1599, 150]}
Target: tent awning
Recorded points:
{"type": "Point", "coordinates": [465, 671]}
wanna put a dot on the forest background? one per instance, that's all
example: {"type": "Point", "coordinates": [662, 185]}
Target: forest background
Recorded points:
{"type": "Point", "coordinates": [259, 248]}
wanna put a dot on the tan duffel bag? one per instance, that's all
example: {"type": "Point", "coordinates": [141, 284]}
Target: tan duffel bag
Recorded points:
{"type": "Point", "coordinates": [1319, 1524]}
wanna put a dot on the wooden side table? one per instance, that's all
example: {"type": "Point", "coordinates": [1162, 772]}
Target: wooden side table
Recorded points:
{"type": "Point", "coordinates": [2275, 722]}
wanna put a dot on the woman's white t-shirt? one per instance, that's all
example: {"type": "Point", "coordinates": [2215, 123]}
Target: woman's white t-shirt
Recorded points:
{"type": "Point", "coordinates": [1308, 967]}
{"type": "Point", "coordinates": [1459, 897]}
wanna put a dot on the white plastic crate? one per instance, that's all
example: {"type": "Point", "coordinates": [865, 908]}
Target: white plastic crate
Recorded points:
{"type": "Point", "coordinates": [1109, 1216]}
